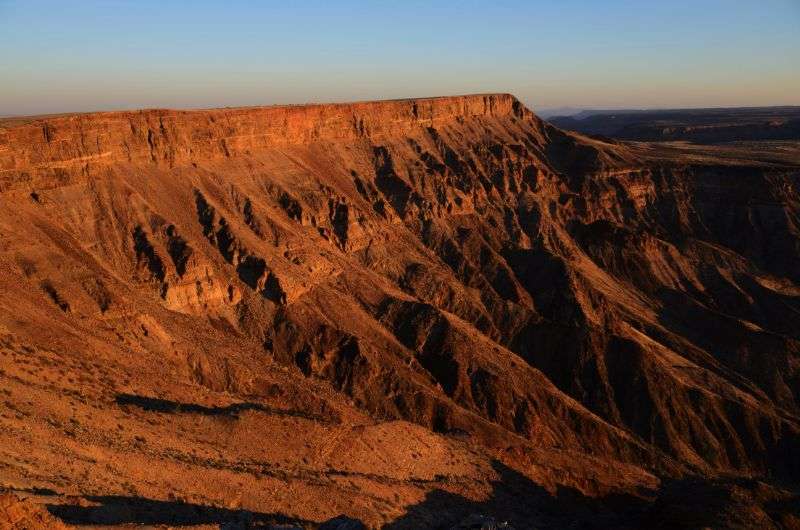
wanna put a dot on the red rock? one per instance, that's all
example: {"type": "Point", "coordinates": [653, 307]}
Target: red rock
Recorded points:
{"type": "Point", "coordinates": [264, 297]}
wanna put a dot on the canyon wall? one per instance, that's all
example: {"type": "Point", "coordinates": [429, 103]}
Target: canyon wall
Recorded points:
{"type": "Point", "coordinates": [587, 312]}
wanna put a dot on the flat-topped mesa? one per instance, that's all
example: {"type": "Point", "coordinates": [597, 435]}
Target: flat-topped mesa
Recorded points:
{"type": "Point", "coordinates": [172, 137]}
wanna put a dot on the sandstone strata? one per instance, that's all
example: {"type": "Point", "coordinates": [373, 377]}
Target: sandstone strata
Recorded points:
{"type": "Point", "coordinates": [388, 308]}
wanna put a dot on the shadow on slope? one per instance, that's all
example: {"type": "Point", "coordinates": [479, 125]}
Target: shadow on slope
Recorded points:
{"type": "Point", "coordinates": [166, 406]}
{"type": "Point", "coordinates": [515, 499]}
{"type": "Point", "coordinates": [523, 504]}
{"type": "Point", "coordinates": [118, 510]}
{"type": "Point", "coordinates": [692, 502]}
{"type": "Point", "coordinates": [515, 503]}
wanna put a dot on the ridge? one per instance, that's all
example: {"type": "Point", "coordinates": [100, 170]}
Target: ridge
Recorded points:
{"type": "Point", "coordinates": [175, 137]}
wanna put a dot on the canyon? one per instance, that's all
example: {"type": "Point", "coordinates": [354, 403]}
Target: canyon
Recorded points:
{"type": "Point", "coordinates": [393, 314]}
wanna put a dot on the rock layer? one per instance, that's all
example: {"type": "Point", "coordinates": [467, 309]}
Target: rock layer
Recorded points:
{"type": "Point", "coordinates": [592, 315]}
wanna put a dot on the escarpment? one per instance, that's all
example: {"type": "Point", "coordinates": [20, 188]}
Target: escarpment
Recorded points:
{"type": "Point", "coordinates": [566, 305]}
{"type": "Point", "coordinates": [64, 147]}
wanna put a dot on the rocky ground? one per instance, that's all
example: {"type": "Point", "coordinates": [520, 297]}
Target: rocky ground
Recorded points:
{"type": "Point", "coordinates": [408, 314]}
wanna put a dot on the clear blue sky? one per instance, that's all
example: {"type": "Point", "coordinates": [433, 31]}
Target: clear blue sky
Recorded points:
{"type": "Point", "coordinates": [86, 55]}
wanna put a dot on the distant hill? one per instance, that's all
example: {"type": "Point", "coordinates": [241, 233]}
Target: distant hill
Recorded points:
{"type": "Point", "coordinates": [551, 112]}
{"type": "Point", "coordinates": [695, 125]}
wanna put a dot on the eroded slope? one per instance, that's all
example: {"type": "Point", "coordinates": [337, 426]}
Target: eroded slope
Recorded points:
{"type": "Point", "coordinates": [583, 313]}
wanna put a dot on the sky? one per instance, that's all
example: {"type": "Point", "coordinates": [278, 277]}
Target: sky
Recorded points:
{"type": "Point", "coordinates": [62, 56]}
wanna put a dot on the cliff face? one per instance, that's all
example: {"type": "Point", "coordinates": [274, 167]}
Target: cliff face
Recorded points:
{"type": "Point", "coordinates": [590, 315]}
{"type": "Point", "coordinates": [49, 149]}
